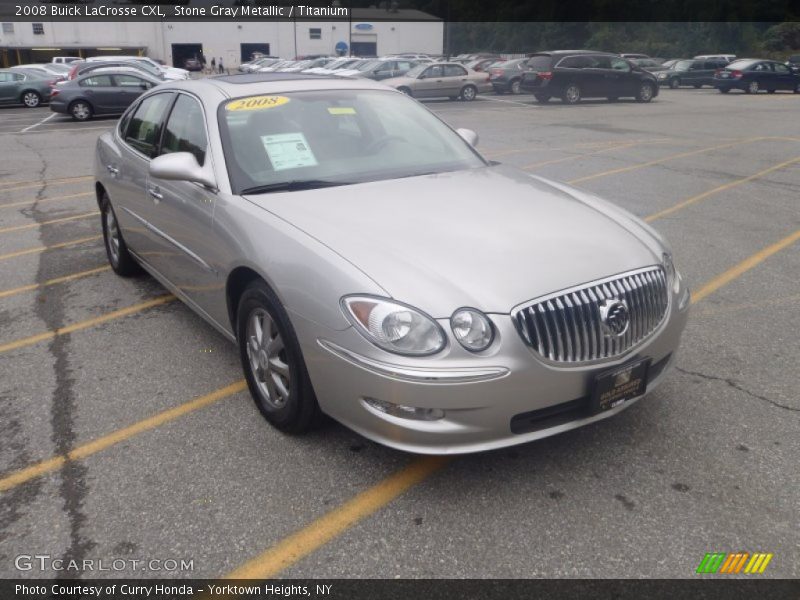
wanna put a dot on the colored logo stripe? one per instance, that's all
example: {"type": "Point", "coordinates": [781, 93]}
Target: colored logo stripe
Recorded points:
{"type": "Point", "coordinates": [723, 562]}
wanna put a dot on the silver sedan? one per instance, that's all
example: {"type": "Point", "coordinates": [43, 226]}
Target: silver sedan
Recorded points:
{"type": "Point", "coordinates": [440, 80]}
{"type": "Point", "coordinates": [371, 265]}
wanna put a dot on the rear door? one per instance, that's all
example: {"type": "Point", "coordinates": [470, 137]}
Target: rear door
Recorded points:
{"type": "Point", "coordinates": [101, 93]}
{"type": "Point", "coordinates": [455, 77]}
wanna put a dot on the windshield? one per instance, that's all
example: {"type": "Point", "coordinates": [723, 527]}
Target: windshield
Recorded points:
{"type": "Point", "coordinates": [740, 65]}
{"type": "Point", "coordinates": [417, 71]}
{"type": "Point", "coordinates": [146, 66]}
{"type": "Point", "coordinates": [335, 137]}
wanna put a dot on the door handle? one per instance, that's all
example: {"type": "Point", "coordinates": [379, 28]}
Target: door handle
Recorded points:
{"type": "Point", "coordinates": [112, 169]}
{"type": "Point", "coordinates": [155, 193]}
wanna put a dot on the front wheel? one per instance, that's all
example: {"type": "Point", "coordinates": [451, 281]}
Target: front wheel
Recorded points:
{"type": "Point", "coordinates": [645, 93]}
{"type": "Point", "coordinates": [80, 110]}
{"type": "Point", "coordinates": [31, 99]}
{"type": "Point", "coordinates": [515, 87]}
{"type": "Point", "coordinates": [752, 88]}
{"type": "Point", "coordinates": [572, 94]}
{"type": "Point", "coordinates": [468, 93]}
{"type": "Point", "coordinates": [674, 83]}
{"type": "Point", "coordinates": [273, 362]}
{"type": "Point", "coordinates": [405, 90]}
{"type": "Point", "coordinates": [117, 252]}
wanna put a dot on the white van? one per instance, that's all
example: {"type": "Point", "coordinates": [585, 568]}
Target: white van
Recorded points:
{"type": "Point", "coordinates": [64, 60]}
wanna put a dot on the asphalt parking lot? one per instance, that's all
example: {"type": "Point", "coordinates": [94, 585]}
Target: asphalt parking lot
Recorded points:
{"type": "Point", "coordinates": [127, 432]}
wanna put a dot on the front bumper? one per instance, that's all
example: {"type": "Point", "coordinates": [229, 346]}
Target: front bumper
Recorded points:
{"type": "Point", "coordinates": [500, 398]}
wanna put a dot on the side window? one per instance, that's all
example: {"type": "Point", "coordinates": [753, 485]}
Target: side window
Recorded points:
{"type": "Point", "coordinates": [779, 68]}
{"type": "Point", "coordinates": [600, 62]}
{"type": "Point", "coordinates": [4, 77]}
{"type": "Point", "coordinates": [620, 64]}
{"type": "Point", "coordinates": [435, 71]}
{"type": "Point", "coordinates": [18, 77]}
{"type": "Point", "coordinates": [131, 81]}
{"type": "Point", "coordinates": [761, 67]}
{"type": "Point", "coordinates": [403, 65]}
{"type": "Point", "coordinates": [454, 71]}
{"type": "Point", "coordinates": [96, 81]}
{"type": "Point", "coordinates": [123, 122]}
{"type": "Point", "coordinates": [186, 129]}
{"type": "Point", "coordinates": [146, 123]}
{"type": "Point", "coordinates": [574, 62]}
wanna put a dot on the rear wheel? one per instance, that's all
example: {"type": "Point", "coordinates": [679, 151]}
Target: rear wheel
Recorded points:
{"type": "Point", "coordinates": [724, 90]}
{"type": "Point", "coordinates": [752, 88]}
{"type": "Point", "coordinates": [80, 110]}
{"type": "Point", "coordinates": [273, 362]}
{"type": "Point", "coordinates": [674, 83]}
{"type": "Point", "coordinates": [468, 93]}
{"type": "Point", "coordinates": [542, 98]}
{"type": "Point", "coordinates": [645, 93]}
{"type": "Point", "coordinates": [119, 258]}
{"type": "Point", "coordinates": [514, 88]}
{"type": "Point", "coordinates": [31, 99]}
{"type": "Point", "coordinates": [571, 94]}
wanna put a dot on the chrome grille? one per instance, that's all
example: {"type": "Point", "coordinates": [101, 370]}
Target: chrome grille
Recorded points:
{"type": "Point", "coordinates": [567, 326]}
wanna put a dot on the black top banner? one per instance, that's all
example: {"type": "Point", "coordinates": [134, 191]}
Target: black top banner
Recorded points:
{"type": "Point", "coordinates": [772, 11]}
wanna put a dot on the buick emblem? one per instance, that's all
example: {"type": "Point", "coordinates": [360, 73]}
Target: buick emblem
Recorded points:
{"type": "Point", "coordinates": [614, 317]}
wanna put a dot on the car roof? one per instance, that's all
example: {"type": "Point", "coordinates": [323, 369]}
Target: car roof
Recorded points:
{"type": "Point", "coordinates": [108, 70]}
{"type": "Point", "coordinates": [254, 84]}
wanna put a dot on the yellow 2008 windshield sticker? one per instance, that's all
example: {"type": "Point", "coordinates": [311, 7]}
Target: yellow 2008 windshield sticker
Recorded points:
{"type": "Point", "coordinates": [342, 110]}
{"type": "Point", "coordinates": [256, 103]}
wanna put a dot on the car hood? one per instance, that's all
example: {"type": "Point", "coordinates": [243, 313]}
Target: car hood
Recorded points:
{"type": "Point", "coordinates": [489, 238]}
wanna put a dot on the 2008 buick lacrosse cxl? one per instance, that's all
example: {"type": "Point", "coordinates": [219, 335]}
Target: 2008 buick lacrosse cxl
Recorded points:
{"type": "Point", "coordinates": [372, 266]}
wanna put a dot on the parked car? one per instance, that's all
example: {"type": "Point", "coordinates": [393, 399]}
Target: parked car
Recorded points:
{"type": "Point", "coordinates": [51, 79]}
{"type": "Point", "coordinates": [64, 60]}
{"type": "Point", "coordinates": [167, 73]}
{"type": "Point", "coordinates": [386, 69]}
{"type": "Point", "coordinates": [19, 87]}
{"type": "Point", "coordinates": [649, 64]}
{"type": "Point", "coordinates": [575, 74]}
{"type": "Point", "coordinates": [276, 66]}
{"type": "Point", "coordinates": [505, 76]}
{"type": "Point", "coordinates": [753, 75]}
{"type": "Point", "coordinates": [342, 262]}
{"type": "Point", "coordinates": [193, 64]}
{"type": "Point", "coordinates": [107, 91]}
{"type": "Point", "coordinates": [481, 65]}
{"type": "Point", "coordinates": [81, 68]}
{"type": "Point", "coordinates": [335, 65]}
{"type": "Point", "coordinates": [438, 80]}
{"type": "Point", "coordinates": [633, 55]}
{"type": "Point", "coordinates": [258, 64]}
{"type": "Point", "coordinates": [696, 73]}
{"type": "Point", "coordinates": [46, 69]}
{"type": "Point", "coordinates": [725, 57]}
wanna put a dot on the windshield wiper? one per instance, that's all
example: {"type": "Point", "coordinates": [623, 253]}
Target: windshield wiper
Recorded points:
{"type": "Point", "coordinates": [293, 186]}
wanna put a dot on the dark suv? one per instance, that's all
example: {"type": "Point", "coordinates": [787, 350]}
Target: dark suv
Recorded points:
{"type": "Point", "coordinates": [691, 72]}
{"type": "Point", "coordinates": [575, 74]}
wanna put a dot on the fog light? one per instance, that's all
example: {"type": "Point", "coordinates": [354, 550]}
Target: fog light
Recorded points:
{"type": "Point", "coordinates": [405, 412]}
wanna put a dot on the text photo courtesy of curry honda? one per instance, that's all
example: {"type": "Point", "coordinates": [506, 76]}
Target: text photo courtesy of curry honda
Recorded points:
{"type": "Point", "coordinates": [278, 286]}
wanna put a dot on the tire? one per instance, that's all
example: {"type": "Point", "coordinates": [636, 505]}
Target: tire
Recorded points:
{"type": "Point", "coordinates": [468, 93]}
{"type": "Point", "coordinates": [698, 86]}
{"type": "Point", "coordinates": [405, 90]}
{"type": "Point", "coordinates": [674, 83]}
{"type": "Point", "coordinates": [645, 93]}
{"type": "Point", "coordinates": [514, 87]}
{"type": "Point", "coordinates": [31, 99]}
{"type": "Point", "coordinates": [499, 91]}
{"type": "Point", "coordinates": [120, 259]}
{"type": "Point", "coordinates": [542, 98]}
{"type": "Point", "coordinates": [81, 110]}
{"type": "Point", "coordinates": [571, 94]}
{"type": "Point", "coordinates": [797, 89]}
{"type": "Point", "coordinates": [273, 365]}
{"type": "Point", "coordinates": [770, 91]}
{"type": "Point", "coordinates": [724, 90]}
{"type": "Point", "coordinates": [752, 88]}
{"type": "Point", "coordinates": [613, 98]}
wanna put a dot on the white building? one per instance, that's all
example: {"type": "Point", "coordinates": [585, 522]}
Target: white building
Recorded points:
{"type": "Point", "coordinates": [367, 33]}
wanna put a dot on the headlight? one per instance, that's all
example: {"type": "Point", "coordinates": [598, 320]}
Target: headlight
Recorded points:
{"type": "Point", "coordinates": [472, 329]}
{"type": "Point", "coordinates": [393, 326]}
{"type": "Point", "coordinates": [662, 75]}
{"type": "Point", "coordinates": [673, 276]}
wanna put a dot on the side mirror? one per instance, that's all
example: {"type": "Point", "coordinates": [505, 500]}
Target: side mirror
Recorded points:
{"type": "Point", "coordinates": [469, 136]}
{"type": "Point", "coordinates": [182, 166]}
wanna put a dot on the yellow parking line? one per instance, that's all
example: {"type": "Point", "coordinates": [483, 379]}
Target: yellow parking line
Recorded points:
{"type": "Point", "coordinates": [743, 267]}
{"type": "Point", "coordinates": [318, 533]}
{"type": "Point", "coordinates": [620, 146]}
{"type": "Point", "coordinates": [36, 249]}
{"type": "Point", "coordinates": [39, 201]}
{"type": "Point", "coordinates": [80, 325]}
{"type": "Point", "coordinates": [49, 282]}
{"type": "Point", "coordinates": [33, 184]}
{"type": "Point", "coordinates": [658, 161]}
{"type": "Point", "coordinates": [717, 190]}
{"type": "Point", "coordinates": [334, 523]}
{"type": "Point", "coordinates": [50, 222]}
{"type": "Point", "coordinates": [16, 478]}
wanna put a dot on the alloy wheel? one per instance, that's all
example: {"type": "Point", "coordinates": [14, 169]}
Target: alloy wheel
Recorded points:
{"type": "Point", "coordinates": [31, 99]}
{"type": "Point", "coordinates": [81, 111]}
{"type": "Point", "coordinates": [267, 357]}
{"type": "Point", "coordinates": [752, 87]}
{"type": "Point", "coordinates": [112, 236]}
{"type": "Point", "coordinates": [572, 94]}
